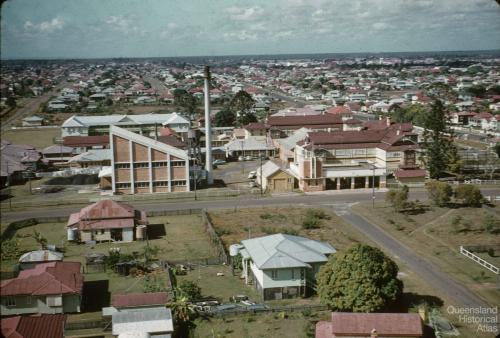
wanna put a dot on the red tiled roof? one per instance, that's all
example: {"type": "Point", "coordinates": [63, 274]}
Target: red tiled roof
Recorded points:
{"type": "Point", "coordinates": [362, 324]}
{"type": "Point", "coordinates": [338, 110]}
{"type": "Point", "coordinates": [139, 299]}
{"type": "Point", "coordinates": [410, 173]}
{"type": "Point", "coordinates": [45, 279]}
{"type": "Point", "coordinates": [304, 121]}
{"type": "Point", "coordinates": [86, 141]}
{"type": "Point", "coordinates": [36, 326]}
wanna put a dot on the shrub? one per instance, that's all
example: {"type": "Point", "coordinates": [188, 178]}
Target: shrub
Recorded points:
{"type": "Point", "coordinates": [189, 289]}
{"type": "Point", "coordinates": [398, 198]}
{"type": "Point", "coordinates": [469, 194]}
{"type": "Point", "coordinates": [132, 271]}
{"type": "Point", "coordinates": [491, 224]}
{"type": "Point", "coordinates": [439, 192]}
{"type": "Point", "coordinates": [313, 217]}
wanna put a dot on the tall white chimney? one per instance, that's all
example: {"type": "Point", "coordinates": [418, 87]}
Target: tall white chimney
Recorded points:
{"type": "Point", "coordinates": [208, 129]}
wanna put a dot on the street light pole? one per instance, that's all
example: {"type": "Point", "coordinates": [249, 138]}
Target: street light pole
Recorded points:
{"type": "Point", "coordinates": [261, 178]}
{"type": "Point", "coordinates": [373, 187]}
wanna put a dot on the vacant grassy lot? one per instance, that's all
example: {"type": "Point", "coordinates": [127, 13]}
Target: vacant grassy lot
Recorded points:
{"type": "Point", "coordinates": [437, 234]}
{"type": "Point", "coordinates": [221, 287]}
{"type": "Point", "coordinates": [259, 325]}
{"type": "Point", "coordinates": [236, 225]}
{"type": "Point", "coordinates": [38, 138]}
{"type": "Point", "coordinates": [184, 238]}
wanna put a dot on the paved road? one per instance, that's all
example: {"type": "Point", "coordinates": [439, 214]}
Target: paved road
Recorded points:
{"type": "Point", "coordinates": [31, 106]}
{"type": "Point", "coordinates": [425, 269]}
{"type": "Point", "coordinates": [156, 84]}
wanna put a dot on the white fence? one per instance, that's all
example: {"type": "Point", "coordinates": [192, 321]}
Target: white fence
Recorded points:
{"type": "Point", "coordinates": [479, 260]}
{"type": "Point", "coordinates": [476, 181]}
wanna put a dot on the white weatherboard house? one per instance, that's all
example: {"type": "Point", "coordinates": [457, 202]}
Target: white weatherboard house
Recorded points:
{"type": "Point", "coordinates": [142, 124]}
{"type": "Point", "coordinates": [282, 266]}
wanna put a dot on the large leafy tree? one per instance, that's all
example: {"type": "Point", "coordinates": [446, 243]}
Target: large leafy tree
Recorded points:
{"type": "Point", "coordinates": [439, 150]}
{"type": "Point", "coordinates": [363, 279]}
{"type": "Point", "coordinates": [224, 118]}
{"type": "Point", "coordinates": [185, 100]}
{"type": "Point", "coordinates": [241, 102]}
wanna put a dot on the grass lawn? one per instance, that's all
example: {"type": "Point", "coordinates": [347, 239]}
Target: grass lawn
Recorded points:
{"type": "Point", "coordinates": [259, 325]}
{"type": "Point", "coordinates": [38, 138]}
{"type": "Point", "coordinates": [236, 225]}
{"type": "Point", "coordinates": [184, 238]}
{"type": "Point", "coordinates": [437, 235]}
{"type": "Point", "coordinates": [221, 287]}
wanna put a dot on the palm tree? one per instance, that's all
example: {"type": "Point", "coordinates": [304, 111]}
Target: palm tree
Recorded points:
{"type": "Point", "coordinates": [182, 309]}
{"type": "Point", "coordinates": [42, 241]}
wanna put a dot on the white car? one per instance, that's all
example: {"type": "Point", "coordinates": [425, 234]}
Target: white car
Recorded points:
{"type": "Point", "coordinates": [252, 174]}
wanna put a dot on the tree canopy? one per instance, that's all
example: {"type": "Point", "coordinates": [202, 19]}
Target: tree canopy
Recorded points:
{"type": "Point", "coordinates": [363, 279]}
{"type": "Point", "coordinates": [186, 100]}
{"type": "Point", "coordinates": [242, 102]}
{"type": "Point", "coordinates": [438, 147]}
{"type": "Point", "coordinates": [224, 118]}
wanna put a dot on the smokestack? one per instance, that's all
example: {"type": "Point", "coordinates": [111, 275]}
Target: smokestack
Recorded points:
{"type": "Point", "coordinates": [208, 129]}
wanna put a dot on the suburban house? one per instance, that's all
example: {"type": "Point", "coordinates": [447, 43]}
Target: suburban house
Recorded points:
{"type": "Point", "coordinates": [371, 325]}
{"type": "Point", "coordinates": [255, 129]}
{"type": "Point", "coordinates": [353, 159]}
{"type": "Point", "coordinates": [142, 124]}
{"type": "Point", "coordinates": [283, 126]}
{"type": "Point", "coordinates": [57, 154]}
{"type": "Point", "coordinates": [32, 121]}
{"type": "Point", "coordinates": [136, 301]}
{"type": "Point", "coordinates": [282, 266]}
{"type": "Point", "coordinates": [144, 165]}
{"type": "Point", "coordinates": [15, 160]}
{"type": "Point", "coordinates": [107, 220]}
{"type": "Point", "coordinates": [253, 146]}
{"type": "Point", "coordinates": [152, 322]}
{"type": "Point", "coordinates": [82, 144]}
{"type": "Point", "coordinates": [54, 287]}
{"type": "Point", "coordinates": [93, 158]}
{"type": "Point", "coordinates": [30, 259]}
{"type": "Point", "coordinates": [34, 326]}
{"type": "Point", "coordinates": [274, 178]}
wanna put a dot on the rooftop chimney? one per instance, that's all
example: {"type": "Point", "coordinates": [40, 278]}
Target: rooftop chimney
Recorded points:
{"type": "Point", "coordinates": [208, 128]}
{"type": "Point", "coordinates": [388, 120]}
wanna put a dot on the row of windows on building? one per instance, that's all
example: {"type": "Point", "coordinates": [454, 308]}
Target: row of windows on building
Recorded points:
{"type": "Point", "coordinates": [178, 183]}
{"type": "Point", "coordinates": [153, 164]}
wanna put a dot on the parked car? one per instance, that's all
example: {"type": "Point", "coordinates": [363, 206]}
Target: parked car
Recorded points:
{"type": "Point", "coordinates": [238, 298]}
{"type": "Point", "coordinates": [219, 162]}
{"type": "Point", "coordinates": [248, 158]}
{"type": "Point", "coordinates": [252, 175]}
{"type": "Point", "coordinates": [252, 184]}
{"type": "Point", "coordinates": [241, 158]}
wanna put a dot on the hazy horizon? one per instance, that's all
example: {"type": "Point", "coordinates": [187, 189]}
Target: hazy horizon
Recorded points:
{"type": "Point", "coordinates": [68, 29]}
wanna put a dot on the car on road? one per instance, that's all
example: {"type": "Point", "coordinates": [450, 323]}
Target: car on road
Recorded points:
{"type": "Point", "coordinates": [241, 158]}
{"type": "Point", "coordinates": [248, 158]}
{"type": "Point", "coordinates": [252, 175]}
{"type": "Point", "coordinates": [219, 162]}
{"type": "Point", "coordinates": [252, 184]}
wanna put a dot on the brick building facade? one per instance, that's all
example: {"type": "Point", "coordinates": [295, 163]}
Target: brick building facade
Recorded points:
{"type": "Point", "coordinates": [143, 165]}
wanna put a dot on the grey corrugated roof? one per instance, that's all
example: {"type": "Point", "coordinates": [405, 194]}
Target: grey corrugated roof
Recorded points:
{"type": "Point", "coordinates": [291, 141]}
{"type": "Point", "coordinates": [268, 169]}
{"type": "Point", "coordinates": [285, 251]}
{"type": "Point", "coordinates": [165, 119]}
{"type": "Point", "coordinates": [251, 143]}
{"type": "Point", "coordinates": [92, 155]}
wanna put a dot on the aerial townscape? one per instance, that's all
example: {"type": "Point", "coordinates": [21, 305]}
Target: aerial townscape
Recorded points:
{"type": "Point", "coordinates": [228, 169]}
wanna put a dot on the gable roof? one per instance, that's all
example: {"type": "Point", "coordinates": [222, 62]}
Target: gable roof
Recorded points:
{"type": "Point", "coordinates": [35, 326]}
{"type": "Point", "coordinates": [397, 324]}
{"type": "Point", "coordinates": [304, 121]}
{"type": "Point", "coordinates": [45, 279]}
{"type": "Point", "coordinates": [286, 251]}
{"type": "Point", "coordinates": [139, 299]}
{"type": "Point", "coordinates": [104, 120]}
{"type": "Point", "coordinates": [85, 141]}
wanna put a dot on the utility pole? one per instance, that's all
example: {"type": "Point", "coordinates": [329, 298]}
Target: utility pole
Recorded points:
{"type": "Point", "coordinates": [373, 186]}
{"type": "Point", "coordinates": [261, 178]}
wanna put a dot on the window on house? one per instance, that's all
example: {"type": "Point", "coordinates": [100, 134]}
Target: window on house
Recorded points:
{"type": "Point", "coordinates": [54, 300]}
{"type": "Point", "coordinates": [10, 301]}
{"type": "Point", "coordinates": [274, 274]}
{"type": "Point", "coordinates": [178, 183]}
{"type": "Point", "coordinates": [160, 184]}
{"type": "Point", "coordinates": [293, 274]}
{"type": "Point", "coordinates": [28, 300]}
{"type": "Point", "coordinates": [102, 231]}
{"type": "Point", "coordinates": [141, 184]}
{"type": "Point", "coordinates": [122, 185]}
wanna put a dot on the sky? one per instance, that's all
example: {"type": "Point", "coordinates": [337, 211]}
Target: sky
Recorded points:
{"type": "Point", "coordinates": [159, 28]}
